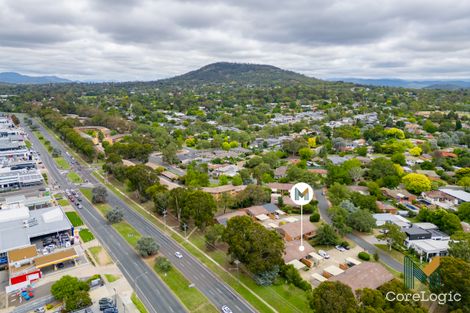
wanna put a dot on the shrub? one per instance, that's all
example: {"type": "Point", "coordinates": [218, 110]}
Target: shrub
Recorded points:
{"type": "Point", "coordinates": [364, 256]}
{"type": "Point", "coordinates": [315, 217]}
{"type": "Point", "coordinates": [292, 276]}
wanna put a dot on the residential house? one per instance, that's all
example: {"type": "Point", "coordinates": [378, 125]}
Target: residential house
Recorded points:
{"type": "Point", "coordinates": [370, 275]}
{"type": "Point", "coordinates": [223, 219]}
{"type": "Point", "coordinates": [292, 252]}
{"type": "Point", "coordinates": [386, 208]}
{"type": "Point", "coordinates": [280, 187]}
{"type": "Point", "coordinates": [280, 172]}
{"type": "Point", "coordinates": [429, 248]}
{"type": "Point", "coordinates": [399, 195]}
{"type": "Point", "coordinates": [384, 218]}
{"type": "Point", "coordinates": [459, 196]}
{"type": "Point", "coordinates": [293, 231]}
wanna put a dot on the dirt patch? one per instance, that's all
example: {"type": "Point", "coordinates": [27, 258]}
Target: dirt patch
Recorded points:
{"type": "Point", "coordinates": [100, 255]}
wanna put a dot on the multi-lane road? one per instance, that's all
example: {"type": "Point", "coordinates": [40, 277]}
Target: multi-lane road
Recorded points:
{"type": "Point", "coordinates": [148, 286]}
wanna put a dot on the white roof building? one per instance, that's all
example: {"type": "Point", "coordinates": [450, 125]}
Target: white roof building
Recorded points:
{"type": "Point", "coordinates": [460, 195]}
{"type": "Point", "coordinates": [429, 248]}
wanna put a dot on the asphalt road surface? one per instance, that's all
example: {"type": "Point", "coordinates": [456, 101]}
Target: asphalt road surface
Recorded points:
{"type": "Point", "coordinates": [323, 206]}
{"type": "Point", "coordinates": [197, 273]}
{"type": "Point", "coordinates": [151, 290]}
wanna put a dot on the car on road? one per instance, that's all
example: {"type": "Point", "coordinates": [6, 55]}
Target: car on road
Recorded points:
{"type": "Point", "coordinates": [323, 254]}
{"type": "Point", "coordinates": [179, 255]}
{"type": "Point", "coordinates": [80, 206]}
{"type": "Point", "coordinates": [226, 309]}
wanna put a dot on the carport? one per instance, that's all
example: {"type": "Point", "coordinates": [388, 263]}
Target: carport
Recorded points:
{"type": "Point", "coordinates": [56, 258]}
{"type": "Point", "coordinates": [332, 271]}
{"type": "Point", "coordinates": [297, 264]}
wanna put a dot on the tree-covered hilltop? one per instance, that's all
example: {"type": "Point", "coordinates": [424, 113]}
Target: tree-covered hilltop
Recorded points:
{"type": "Point", "coordinates": [240, 74]}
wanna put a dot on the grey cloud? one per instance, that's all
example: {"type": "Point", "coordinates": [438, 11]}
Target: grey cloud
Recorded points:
{"type": "Point", "coordinates": [149, 39]}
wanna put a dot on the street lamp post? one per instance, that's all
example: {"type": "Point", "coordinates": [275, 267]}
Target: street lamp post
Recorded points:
{"type": "Point", "coordinates": [237, 263]}
{"type": "Point", "coordinates": [115, 298]}
{"type": "Point", "coordinates": [185, 227]}
{"type": "Point", "coordinates": [164, 216]}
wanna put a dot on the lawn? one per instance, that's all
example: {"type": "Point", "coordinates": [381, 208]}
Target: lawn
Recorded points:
{"type": "Point", "coordinates": [292, 298]}
{"type": "Point", "coordinates": [138, 304]}
{"type": "Point", "coordinates": [229, 279]}
{"type": "Point", "coordinates": [127, 232]}
{"type": "Point", "coordinates": [74, 178]}
{"type": "Point", "coordinates": [191, 297]}
{"type": "Point", "coordinates": [28, 144]}
{"type": "Point", "coordinates": [63, 202]}
{"type": "Point", "coordinates": [74, 218]}
{"type": "Point", "coordinates": [62, 163]}
{"type": "Point", "coordinates": [397, 255]}
{"type": "Point", "coordinates": [86, 235]}
{"type": "Point", "coordinates": [112, 278]}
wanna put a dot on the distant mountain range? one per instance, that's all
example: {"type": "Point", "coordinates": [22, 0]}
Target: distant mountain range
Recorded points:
{"type": "Point", "coordinates": [252, 74]}
{"type": "Point", "coordinates": [391, 82]}
{"type": "Point", "coordinates": [15, 78]}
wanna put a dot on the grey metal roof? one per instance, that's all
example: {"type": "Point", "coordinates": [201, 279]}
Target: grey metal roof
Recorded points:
{"type": "Point", "coordinates": [14, 234]}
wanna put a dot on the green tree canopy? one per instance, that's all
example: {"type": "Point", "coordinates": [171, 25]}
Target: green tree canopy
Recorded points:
{"type": "Point", "coordinates": [333, 297]}
{"type": "Point", "coordinates": [252, 244]}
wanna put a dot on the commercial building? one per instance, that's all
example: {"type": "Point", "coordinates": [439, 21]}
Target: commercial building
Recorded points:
{"type": "Point", "coordinates": [20, 226]}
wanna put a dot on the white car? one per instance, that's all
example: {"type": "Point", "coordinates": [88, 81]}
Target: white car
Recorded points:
{"type": "Point", "coordinates": [340, 248]}
{"type": "Point", "coordinates": [178, 255]}
{"type": "Point", "coordinates": [324, 254]}
{"type": "Point", "coordinates": [226, 309]}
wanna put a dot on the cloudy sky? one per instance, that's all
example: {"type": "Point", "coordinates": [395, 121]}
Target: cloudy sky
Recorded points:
{"type": "Point", "coordinates": [150, 39]}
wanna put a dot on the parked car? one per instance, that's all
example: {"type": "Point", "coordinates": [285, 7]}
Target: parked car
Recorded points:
{"type": "Point", "coordinates": [105, 300]}
{"type": "Point", "coordinates": [79, 206]}
{"type": "Point", "coordinates": [323, 254]}
{"type": "Point", "coordinates": [111, 310]}
{"type": "Point", "coordinates": [106, 306]}
{"type": "Point", "coordinates": [40, 310]}
{"type": "Point", "coordinates": [178, 255]}
{"type": "Point", "coordinates": [340, 248]}
{"type": "Point", "coordinates": [226, 309]}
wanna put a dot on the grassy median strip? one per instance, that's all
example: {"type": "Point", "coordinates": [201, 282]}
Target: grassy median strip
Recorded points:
{"type": "Point", "coordinates": [74, 178]}
{"type": "Point", "coordinates": [102, 207]}
{"type": "Point", "coordinates": [191, 297]}
{"type": "Point", "coordinates": [74, 218]}
{"type": "Point", "coordinates": [229, 279]}
{"type": "Point", "coordinates": [62, 163]}
{"type": "Point", "coordinates": [138, 304]}
{"type": "Point", "coordinates": [243, 291]}
{"type": "Point", "coordinates": [127, 232]}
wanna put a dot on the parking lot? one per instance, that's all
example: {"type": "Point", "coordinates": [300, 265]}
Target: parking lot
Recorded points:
{"type": "Point", "coordinates": [336, 258]}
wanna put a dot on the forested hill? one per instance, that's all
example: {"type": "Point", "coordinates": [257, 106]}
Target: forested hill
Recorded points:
{"type": "Point", "coordinates": [224, 73]}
